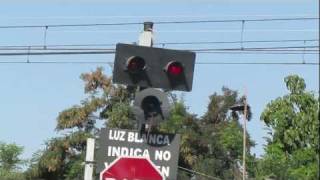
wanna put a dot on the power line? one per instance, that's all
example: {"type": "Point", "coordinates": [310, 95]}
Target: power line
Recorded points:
{"type": "Point", "coordinates": [236, 42]}
{"type": "Point", "coordinates": [43, 53]}
{"type": "Point", "coordinates": [255, 48]}
{"type": "Point", "coordinates": [270, 48]}
{"type": "Point", "coordinates": [60, 47]}
{"type": "Point", "coordinates": [297, 51]}
{"type": "Point", "coordinates": [55, 53]}
{"type": "Point", "coordinates": [257, 63]}
{"type": "Point", "coordinates": [191, 15]}
{"type": "Point", "coordinates": [166, 43]}
{"type": "Point", "coordinates": [261, 51]}
{"type": "Point", "coordinates": [199, 63]}
{"type": "Point", "coordinates": [29, 53]}
{"type": "Point", "coordinates": [158, 22]}
{"type": "Point", "coordinates": [237, 20]}
{"type": "Point", "coordinates": [192, 172]}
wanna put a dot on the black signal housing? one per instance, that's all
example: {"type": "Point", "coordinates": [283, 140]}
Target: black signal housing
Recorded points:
{"type": "Point", "coordinates": [150, 67]}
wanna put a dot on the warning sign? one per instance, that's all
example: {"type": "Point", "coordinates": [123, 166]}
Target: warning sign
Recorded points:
{"type": "Point", "coordinates": [162, 149]}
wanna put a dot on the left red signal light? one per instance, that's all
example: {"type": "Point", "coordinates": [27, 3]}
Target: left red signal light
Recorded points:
{"type": "Point", "coordinates": [135, 64]}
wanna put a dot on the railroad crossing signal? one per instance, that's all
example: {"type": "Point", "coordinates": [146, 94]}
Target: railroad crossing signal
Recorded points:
{"type": "Point", "coordinates": [153, 67]}
{"type": "Point", "coordinates": [151, 106]}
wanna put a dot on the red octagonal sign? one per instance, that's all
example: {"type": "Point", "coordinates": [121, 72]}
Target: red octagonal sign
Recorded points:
{"type": "Point", "coordinates": [131, 168]}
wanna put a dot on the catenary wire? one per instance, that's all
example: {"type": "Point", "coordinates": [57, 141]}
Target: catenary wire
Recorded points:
{"type": "Point", "coordinates": [167, 43]}
{"type": "Point", "coordinates": [198, 63]}
{"type": "Point", "coordinates": [236, 42]}
{"type": "Point", "coordinates": [270, 48]}
{"type": "Point", "coordinates": [45, 53]}
{"type": "Point", "coordinates": [158, 22]}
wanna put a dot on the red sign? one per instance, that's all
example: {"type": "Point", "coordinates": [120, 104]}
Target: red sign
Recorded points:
{"type": "Point", "coordinates": [131, 168]}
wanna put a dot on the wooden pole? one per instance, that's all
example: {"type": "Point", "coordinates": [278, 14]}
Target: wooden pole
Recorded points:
{"type": "Point", "coordinates": [244, 136]}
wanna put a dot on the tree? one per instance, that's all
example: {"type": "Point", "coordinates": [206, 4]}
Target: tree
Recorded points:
{"type": "Point", "coordinates": [292, 150]}
{"type": "Point", "coordinates": [223, 134]}
{"type": "Point", "coordinates": [210, 142]}
{"type": "Point", "coordinates": [63, 156]}
{"type": "Point", "coordinates": [10, 162]}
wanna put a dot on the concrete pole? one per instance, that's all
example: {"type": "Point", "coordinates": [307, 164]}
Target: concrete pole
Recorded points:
{"type": "Point", "coordinates": [89, 163]}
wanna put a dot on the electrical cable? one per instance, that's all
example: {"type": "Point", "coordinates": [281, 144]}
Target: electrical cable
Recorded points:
{"type": "Point", "coordinates": [198, 63]}
{"type": "Point", "coordinates": [30, 53]}
{"type": "Point", "coordinates": [253, 52]}
{"type": "Point", "coordinates": [55, 53]}
{"type": "Point", "coordinates": [271, 48]}
{"type": "Point", "coordinates": [168, 43]}
{"type": "Point", "coordinates": [192, 172]}
{"type": "Point", "coordinates": [235, 42]}
{"type": "Point", "coordinates": [253, 48]}
{"type": "Point", "coordinates": [158, 22]}
{"type": "Point", "coordinates": [296, 48]}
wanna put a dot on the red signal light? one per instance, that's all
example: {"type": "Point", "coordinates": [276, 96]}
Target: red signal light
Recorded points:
{"type": "Point", "coordinates": [135, 64]}
{"type": "Point", "coordinates": [174, 68]}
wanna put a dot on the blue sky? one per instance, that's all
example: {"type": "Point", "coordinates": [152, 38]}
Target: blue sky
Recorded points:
{"type": "Point", "coordinates": [32, 95]}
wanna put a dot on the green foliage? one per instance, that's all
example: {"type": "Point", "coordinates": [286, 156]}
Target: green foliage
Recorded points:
{"type": "Point", "coordinates": [294, 145]}
{"type": "Point", "coordinates": [219, 106]}
{"type": "Point", "coordinates": [230, 138]}
{"type": "Point", "coordinates": [120, 116]}
{"type": "Point", "coordinates": [210, 144]}
{"type": "Point", "coordinates": [274, 162]}
{"type": "Point", "coordinates": [75, 168]}
{"type": "Point", "coordinates": [63, 157]}
{"type": "Point", "coordinates": [180, 121]}
{"type": "Point", "coordinates": [11, 175]}
{"type": "Point", "coordinates": [10, 162]}
{"type": "Point", "coordinates": [9, 156]}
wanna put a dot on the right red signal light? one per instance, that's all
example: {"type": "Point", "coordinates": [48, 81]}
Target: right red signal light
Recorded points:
{"type": "Point", "coordinates": [176, 75]}
{"type": "Point", "coordinates": [174, 69]}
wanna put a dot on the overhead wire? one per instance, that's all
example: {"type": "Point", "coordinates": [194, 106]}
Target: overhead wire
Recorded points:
{"type": "Point", "coordinates": [167, 43]}
{"type": "Point", "coordinates": [158, 22]}
{"type": "Point", "coordinates": [272, 48]}
{"type": "Point", "coordinates": [45, 50]}
{"type": "Point", "coordinates": [193, 172]}
{"type": "Point", "coordinates": [198, 63]}
{"type": "Point", "coordinates": [236, 42]}
{"type": "Point", "coordinates": [49, 50]}
{"type": "Point", "coordinates": [60, 47]}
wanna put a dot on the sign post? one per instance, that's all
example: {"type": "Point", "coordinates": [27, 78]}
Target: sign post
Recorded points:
{"type": "Point", "coordinates": [88, 169]}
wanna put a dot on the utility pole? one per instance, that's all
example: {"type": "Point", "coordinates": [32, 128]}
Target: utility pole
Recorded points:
{"type": "Point", "coordinates": [244, 108]}
{"type": "Point", "coordinates": [244, 136]}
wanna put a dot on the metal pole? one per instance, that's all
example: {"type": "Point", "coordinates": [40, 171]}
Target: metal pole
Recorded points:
{"type": "Point", "coordinates": [244, 137]}
{"type": "Point", "coordinates": [89, 163]}
{"type": "Point", "coordinates": [145, 39]}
